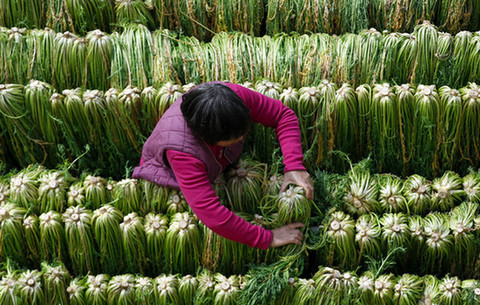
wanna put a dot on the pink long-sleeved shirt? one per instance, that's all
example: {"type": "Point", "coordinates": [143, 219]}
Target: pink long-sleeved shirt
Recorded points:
{"type": "Point", "coordinates": [191, 173]}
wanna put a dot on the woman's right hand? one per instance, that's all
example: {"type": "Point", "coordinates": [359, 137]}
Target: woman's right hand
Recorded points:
{"type": "Point", "coordinates": [288, 234]}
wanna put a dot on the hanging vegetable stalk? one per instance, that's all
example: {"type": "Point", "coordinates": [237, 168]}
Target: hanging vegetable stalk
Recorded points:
{"type": "Point", "coordinates": [364, 98]}
{"type": "Point", "coordinates": [12, 242]}
{"type": "Point", "coordinates": [68, 109]}
{"type": "Point", "coordinates": [81, 246]}
{"type": "Point", "coordinates": [69, 61]}
{"type": "Point", "coordinates": [108, 236]}
{"type": "Point", "coordinates": [55, 281]}
{"type": "Point", "coordinates": [306, 110]}
{"type": "Point", "coordinates": [133, 243]}
{"type": "Point", "coordinates": [245, 185]}
{"type": "Point", "coordinates": [121, 289]}
{"type": "Point", "coordinates": [156, 226]}
{"type": "Point", "coordinates": [163, 68]}
{"type": "Point", "coordinates": [183, 244]}
{"type": "Point", "coordinates": [447, 192]}
{"type": "Point", "coordinates": [96, 289]}
{"type": "Point", "coordinates": [149, 110]}
{"type": "Point", "coordinates": [52, 237]}
{"type": "Point", "coordinates": [52, 191]}
{"type": "Point", "coordinates": [340, 230]}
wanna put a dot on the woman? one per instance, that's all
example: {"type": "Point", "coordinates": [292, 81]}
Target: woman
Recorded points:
{"type": "Point", "coordinates": [201, 134]}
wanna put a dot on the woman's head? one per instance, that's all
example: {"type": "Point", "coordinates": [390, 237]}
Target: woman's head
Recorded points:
{"type": "Point", "coordinates": [215, 113]}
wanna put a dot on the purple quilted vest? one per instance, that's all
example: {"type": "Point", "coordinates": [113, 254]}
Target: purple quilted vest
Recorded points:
{"type": "Point", "coordinates": [172, 133]}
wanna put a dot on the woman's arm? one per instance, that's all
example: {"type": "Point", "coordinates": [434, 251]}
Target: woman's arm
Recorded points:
{"type": "Point", "coordinates": [192, 177]}
{"type": "Point", "coordinates": [273, 113]}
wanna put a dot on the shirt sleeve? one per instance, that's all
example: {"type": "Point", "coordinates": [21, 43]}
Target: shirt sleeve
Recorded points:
{"type": "Point", "coordinates": [273, 113]}
{"type": "Point", "coordinates": [191, 175]}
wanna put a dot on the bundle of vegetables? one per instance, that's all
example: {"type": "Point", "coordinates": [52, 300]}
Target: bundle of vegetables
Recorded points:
{"type": "Point", "coordinates": [439, 243]}
{"type": "Point", "coordinates": [345, 116]}
{"type": "Point", "coordinates": [31, 227]}
{"type": "Point", "coordinates": [361, 193]}
{"type": "Point", "coordinates": [183, 244]}
{"type": "Point", "coordinates": [471, 186]}
{"type": "Point", "coordinates": [333, 285]}
{"type": "Point", "coordinates": [108, 236]}
{"type": "Point", "coordinates": [187, 288]}
{"type": "Point", "coordinates": [244, 184]}
{"type": "Point", "coordinates": [96, 289]}
{"type": "Point", "coordinates": [76, 291]}
{"type": "Point", "coordinates": [69, 61]}
{"type": "Point", "coordinates": [408, 289]}
{"type": "Point", "coordinates": [99, 56]}
{"type": "Point", "coordinates": [52, 238]}
{"type": "Point", "coordinates": [81, 246]}
{"type": "Point", "coordinates": [395, 234]}
{"type": "Point", "coordinates": [340, 233]}
{"type": "Point", "coordinates": [52, 191]}
{"type": "Point", "coordinates": [391, 194]}
{"type": "Point", "coordinates": [144, 290]}
{"type": "Point", "coordinates": [226, 290]}
{"type": "Point", "coordinates": [134, 12]}
{"type": "Point", "coordinates": [289, 206]}
{"type": "Point", "coordinates": [121, 289]}
{"type": "Point", "coordinates": [132, 57]}
{"type": "Point", "coordinates": [368, 236]}
{"type": "Point", "coordinates": [20, 138]}
{"type": "Point", "coordinates": [166, 289]}
{"type": "Point", "coordinates": [469, 139]}
{"type": "Point", "coordinates": [417, 191]}
{"type": "Point", "coordinates": [155, 226]}
{"type": "Point", "coordinates": [12, 242]}
{"type": "Point", "coordinates": [30, 288]}
{"type": "Point", "coordinates": [127, 196]}
{"type": "Point", "coordinates": [133, 243]}
{"type": "Point", "coordinates": [55, 280]}
{"type": "Point", "coordinates": [224, 255]}
{"type": "Point", "coordinates": [447, 191]}
{"type": "Point", "coordinates": [175, 203]}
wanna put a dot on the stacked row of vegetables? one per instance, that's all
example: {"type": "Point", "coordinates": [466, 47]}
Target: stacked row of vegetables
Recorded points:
{"type": "Point", "coordinates": [138, 57]}
{"type": "Point", "coordinates": [53, 284]}
{"type": "Point", "coordinates": [201, 18]}
{"type": "Point", "coordinates": [423, 129]}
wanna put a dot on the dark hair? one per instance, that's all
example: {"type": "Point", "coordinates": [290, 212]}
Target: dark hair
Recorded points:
{"type": "Point", "coordinates": [214, 112]}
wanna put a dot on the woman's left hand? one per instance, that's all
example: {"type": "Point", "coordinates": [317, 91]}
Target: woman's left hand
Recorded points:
{"type": "Point", "coordinates": [300, 178]}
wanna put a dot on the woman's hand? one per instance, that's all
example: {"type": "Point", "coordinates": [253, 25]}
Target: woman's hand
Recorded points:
{"type": "Point", "coordinates": [300, 178]}
{"type": "Point", "coordinates": [288, 234]}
